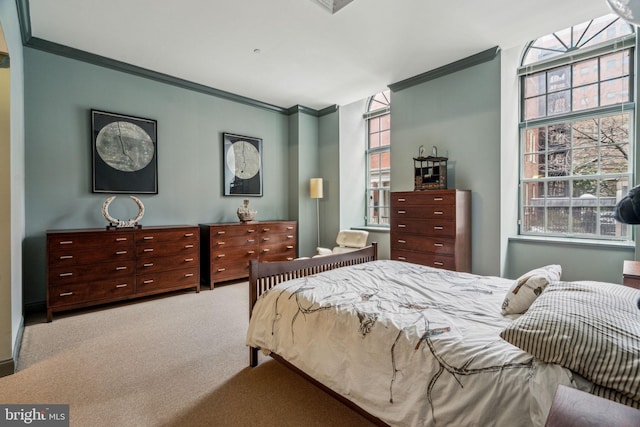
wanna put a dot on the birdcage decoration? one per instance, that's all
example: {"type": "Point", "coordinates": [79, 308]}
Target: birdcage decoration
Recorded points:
{"type": "Point", "coordinates": [430, 171]}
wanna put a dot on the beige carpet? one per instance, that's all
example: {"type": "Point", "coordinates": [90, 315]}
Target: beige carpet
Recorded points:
{"type": "Point", "coordinates": [178, 360]}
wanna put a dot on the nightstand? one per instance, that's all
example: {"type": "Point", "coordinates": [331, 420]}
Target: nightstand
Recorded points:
{"type": "Point", "coordinates": [575, 408]}
{"type": "Point", "coordinates": [631, 274]}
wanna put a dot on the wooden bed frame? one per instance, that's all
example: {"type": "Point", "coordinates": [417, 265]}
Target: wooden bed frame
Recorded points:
{"type": "Point", "coordinates": [264, 276]}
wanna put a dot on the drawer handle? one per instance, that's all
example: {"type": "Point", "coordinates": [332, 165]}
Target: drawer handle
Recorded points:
{"type": "Point", "coordinates": [401, 258]}
{"type": "Point", "coordinates": [289, 228]}
{"type": "Point", "coordinates": [402, 225]}
{"type": "Point", "coordinates": [402, 199]}
{"type": "Point", "coordinates": [251, 252]}
{"type": "Point", "coordinates": [66, 257]}
{"type": "Point", "coordinates": [266, 239]}
{"type": "Point", "coordinates": [188, 275]}
{"type": "Point", "coordinates": [124, 285]}
{"type": "Point", "coordinates": [188, 260]}
{"type": "Point", "coordinates": [290, 247]}
{"type": "Point", "coordinates": [402, 212]}
{"type": "Point", "coordinates": [121, 239]}
{"type": "Point", "coordinates": [438, 245]}
{"type": "Point", "coordinates": [149, 264]}
{"type": "Point", "coordinates": [266, 250]}
{"type": "Point", "coordinates": [148, 250]}
{"type": "Point", "coordinates": [289, 259]}
{"type": "Point", "coordinates": [438, 213]}
{"type": "Point", "coordinates": [66, 294]}
{"type": "Point", "coordinates": [402, 241]}
{"type": "Point", "coordinates": [221, 232]}
{"type": "Point", "coordinates": [250, 240]}
{"type": "Point", "coordinates": [438, 227]}
{"type": "Point", "coordinates": [121, 252]}
{"type": "Point", "coordinates": [266, 229]}
{"type": "Point", "coordinates": [220, 243]}
{"type": "Point", "coordinates": [66, 242]}
{"type": "Point", "coordinates": [251, 231]}
{"type": "Point", "coordinates": [148, 237]}
{"type": "Point", "coordinates": [188, 246]}
{"type": "Point", "coordinates": [289, 237]}
{"type": "Point", "coordinates": [438, 199]}
{"type": "Point", "coordinates": [121, 268]}
{"type": "Point", "coordinates": [188, 234]}
{"type": "Point", "coordinates": [65, 274]}
{"type": "Point", "coordinates": [438, 263]}
{"type": "Point", "coordinates": [221, 269]}
{"type": "Point", "coordinates": [221, 256]}
{"type": "Point", "coordinates": [148, 281]}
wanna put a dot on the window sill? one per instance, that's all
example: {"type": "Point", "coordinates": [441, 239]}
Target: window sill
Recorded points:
{"type": "Point", "coordinates": [624, 245]}
{"type": "Point", "coordinates": [372, 229]}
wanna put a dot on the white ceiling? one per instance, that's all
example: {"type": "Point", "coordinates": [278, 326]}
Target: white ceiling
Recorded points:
{"type": "Point", "coordinates": [307, 55]}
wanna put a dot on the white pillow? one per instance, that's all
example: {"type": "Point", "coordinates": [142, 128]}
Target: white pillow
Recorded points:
{"type": "Point", "coordinates": [526, 288]}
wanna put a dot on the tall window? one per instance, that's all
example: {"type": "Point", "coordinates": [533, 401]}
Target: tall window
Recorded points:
{"type": "Point", "coordinates": [576, 130]}
{"type": "Point", "coordinates": [378, 118]}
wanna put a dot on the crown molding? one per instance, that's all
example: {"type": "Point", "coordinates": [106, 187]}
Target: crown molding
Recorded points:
{"type": "Point", "coordinates": [470, 61]}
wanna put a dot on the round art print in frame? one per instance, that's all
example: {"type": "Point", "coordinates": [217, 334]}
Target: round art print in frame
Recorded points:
{"type": "Point", "coordinates": [242, 158]}
{"type": "Point", "coordinates": [125, 153]}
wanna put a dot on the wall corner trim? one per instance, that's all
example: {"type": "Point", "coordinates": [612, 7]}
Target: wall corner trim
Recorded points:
{"type": "Point", "coordinates": [24, 16]}
{"type": "Point", "coordinates": [470, 61]}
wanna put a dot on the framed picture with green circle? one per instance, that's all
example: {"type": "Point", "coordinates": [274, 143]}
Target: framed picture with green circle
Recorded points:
{"type": "Point", "coordinates": [242, 158]}
{"type": "Point", "coordinates": [125, 153]}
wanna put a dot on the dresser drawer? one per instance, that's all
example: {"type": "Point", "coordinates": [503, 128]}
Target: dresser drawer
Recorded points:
{"type": "Point", "coordinates": [430, 260]}
{"type": "Point", "coordinates": [225, 232]}
{"type": "Point", "coordinates": [83, 273]}
{"type": "Point", "coordinates": [431, 245]}
{"type": "Point", "coordinates": [77, 293]}
{"type": "Point", "coordinates": [61, 257]}
{"type": "Point", "coordinates": [177, 236]}
{"type": "Point", "coordinates": [158, 264]}
{"type": "Point", "coordinates": [445, 212]}
{"type": "Point", "coordinates": [152, 282]}
{"type": "Point", "coordinates": [278, 228]}
{"type": "Point", "coordinates": [150, 250]}
{"type": "Point", "coordinates": [72, 243]}
{"type": "Point", "coordinates": [431, 227]}
{"type": "Point", "coordinates": [226, 241]}
{"type": "Point", "coordinates": [277, 252]}
{"type": "Point", "coordinates": [268, 239]}
{"type": "Point", "coordinates": [422, 198]}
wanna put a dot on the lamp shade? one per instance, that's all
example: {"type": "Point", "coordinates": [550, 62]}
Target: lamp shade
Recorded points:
{"type": "Point", "coordinates": [315, 188]}
{"type": "Point", "coordinates": [629, 10]}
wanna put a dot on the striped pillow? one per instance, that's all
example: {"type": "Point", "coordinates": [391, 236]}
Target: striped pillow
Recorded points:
{"type": "Point", "coordinates": [592, 328]}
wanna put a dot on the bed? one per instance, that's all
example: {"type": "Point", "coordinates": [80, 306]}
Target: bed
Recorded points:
{"type": "Point", "coordinates": [408, 345]}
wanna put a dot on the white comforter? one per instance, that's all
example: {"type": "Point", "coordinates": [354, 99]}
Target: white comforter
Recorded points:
{"type": "Point", "coordinates": [412, 345]}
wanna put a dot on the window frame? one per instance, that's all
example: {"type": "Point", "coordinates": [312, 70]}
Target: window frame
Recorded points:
{"type": "Point", "coordinates": [368, 116]}
{"type": "Point", "coordinates": [569, 59]}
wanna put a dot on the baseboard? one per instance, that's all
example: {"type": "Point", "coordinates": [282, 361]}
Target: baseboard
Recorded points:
{"type": "Point", "coordinates": [7, 367]}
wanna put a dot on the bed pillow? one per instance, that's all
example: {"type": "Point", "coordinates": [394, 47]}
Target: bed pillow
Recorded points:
{"type": "Point", "coordinates": [592, 328]}
{"type": "Point", "coordinates": [526, 288]}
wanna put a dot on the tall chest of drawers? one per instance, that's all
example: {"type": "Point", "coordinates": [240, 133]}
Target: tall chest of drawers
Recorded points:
{"type": "Point", "coordinates": [432, 228]}
{"type": "Point", "coordinates": [95, 266]}
{"type": "Point", "coordinates": [227, 248]}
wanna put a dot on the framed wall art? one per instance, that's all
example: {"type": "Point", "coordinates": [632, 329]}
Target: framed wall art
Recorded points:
{"type": "Point", "coordinates": [242, 158]}
{"type": "Point", "coordinates": [125, 153]}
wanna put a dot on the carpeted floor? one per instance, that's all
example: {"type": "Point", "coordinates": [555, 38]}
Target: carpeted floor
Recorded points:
{"type": "Point", "coordinates": [178, 360]}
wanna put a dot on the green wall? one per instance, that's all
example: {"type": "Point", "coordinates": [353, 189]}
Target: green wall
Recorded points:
{"type": "Point", "coordinates": [59, 92]}
{"type": "Point", "coordinates": [459, 113]}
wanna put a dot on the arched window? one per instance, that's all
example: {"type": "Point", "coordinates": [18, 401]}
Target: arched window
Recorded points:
{"type": "Point", "coordinates": [378, 118]}
{"type": "Point", "coordinates": [576, 130]}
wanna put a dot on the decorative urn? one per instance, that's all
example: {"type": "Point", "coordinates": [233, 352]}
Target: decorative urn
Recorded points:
{"type": "Point", "coordinates": [244, 213]}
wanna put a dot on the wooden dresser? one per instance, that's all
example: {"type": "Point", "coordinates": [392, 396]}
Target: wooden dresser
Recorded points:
{"type": "Point", "coordinates": [432, 227]}
{"type": "Point", "coordinates": [227, 248]}
{"type": "Point", "coordinates": [95, 266]}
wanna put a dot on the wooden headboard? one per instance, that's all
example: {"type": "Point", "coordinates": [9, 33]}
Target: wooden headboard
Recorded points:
{"type": "Point", "coordinates": [265, 275]}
